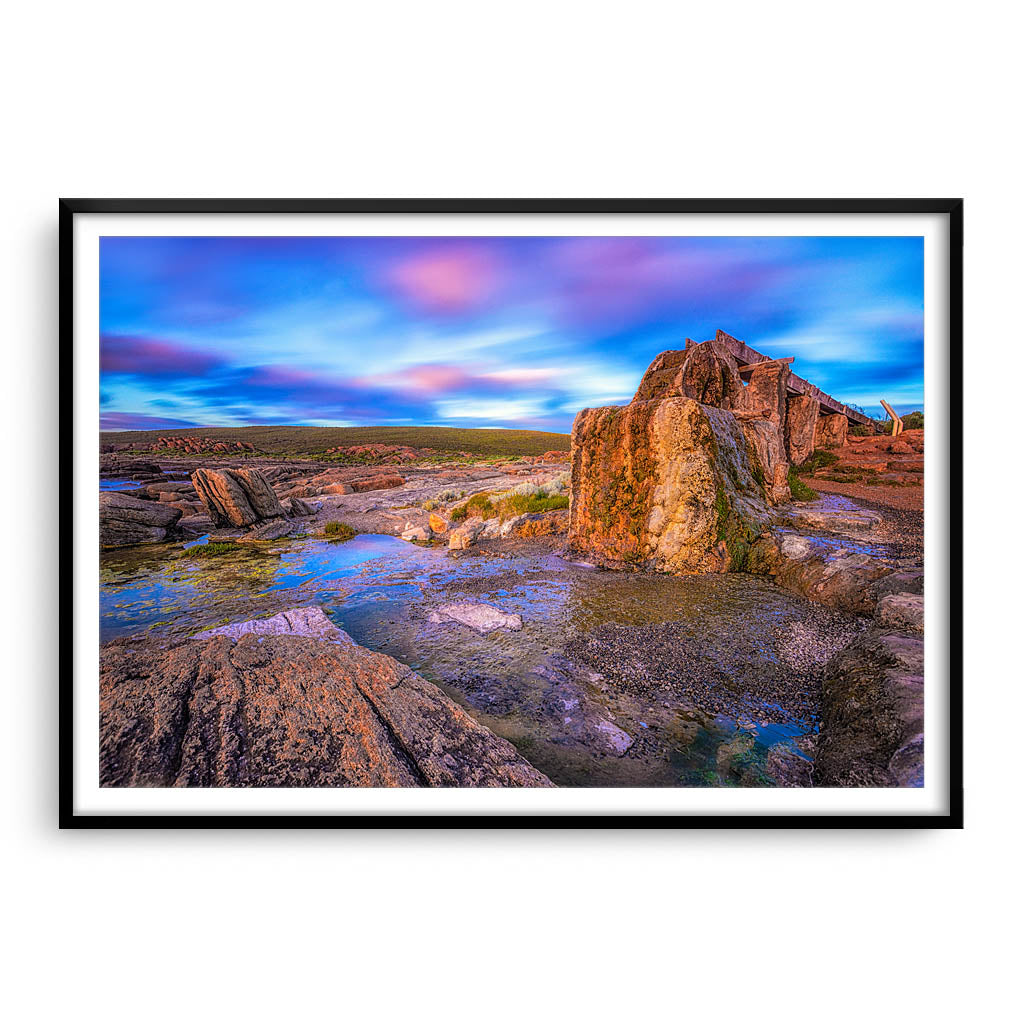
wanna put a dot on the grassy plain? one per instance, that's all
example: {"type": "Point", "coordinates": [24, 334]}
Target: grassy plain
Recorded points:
{"type": "Point", "coordinates": [305, 441]}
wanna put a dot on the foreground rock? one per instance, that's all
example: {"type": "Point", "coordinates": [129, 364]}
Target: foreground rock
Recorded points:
{"type": "Point", "coordinates": [125, 521]}
{"type": "Point", "coordinates": [666, 485]}
{"type": "Point", "coordinates": [236, 497]}
{"type": "Point", "coordinates": [484, 618]}
{"type": "Point", "coordinates": [872, 725]}
{"type": "Point", "coordinates": [287, 701]}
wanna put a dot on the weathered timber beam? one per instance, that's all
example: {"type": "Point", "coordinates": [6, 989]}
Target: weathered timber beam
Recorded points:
{"type": "Point", "coordinates": [748, 368]}
{"type": "Point", "coordinates": [897, 423]}
{"type": "Point", "coordinates": [748, 357]}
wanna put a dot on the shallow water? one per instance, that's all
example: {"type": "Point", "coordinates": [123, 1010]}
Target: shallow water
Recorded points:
{"type": "Point", "coordinates": [118, 483]}
{"type": "Point", "coordinates": [538, 687]}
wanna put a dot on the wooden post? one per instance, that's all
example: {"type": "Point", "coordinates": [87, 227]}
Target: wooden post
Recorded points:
{"type": "Point", "coordinates": [897, 423]}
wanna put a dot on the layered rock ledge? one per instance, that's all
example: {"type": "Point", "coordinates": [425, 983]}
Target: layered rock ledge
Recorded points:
{"type": "Point", "coordinates": [286, 701]}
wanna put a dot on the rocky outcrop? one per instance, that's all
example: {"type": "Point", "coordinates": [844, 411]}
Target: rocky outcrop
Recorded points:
{"type": "Point", "coordinates": [664, 484]}
{"type": "Point", "coordinates": [872, 724]}
{"type": "Point", "coordinates": [125, 520]}
{"type": "Point", "coordinates": [378, 483]}
{"type": "Point", "coordinates": [287, 701]}
{"type": "Point", "coordinates": [707, 373]}
{"type": "Point", "coordinates": [236, 497]}
{"type": "Point", "coordinates": [765, 393]}
{"type": "Point", "coordinates": [801, 423]}
{"type": "Point", "coordinates": [831, 431]}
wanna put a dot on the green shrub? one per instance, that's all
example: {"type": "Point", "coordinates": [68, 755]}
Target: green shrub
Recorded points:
{"type": "Point", "coordinates": [339, 531]}
{"type": "Point", "coordinates": [213, 550]}
{"type": "Point", "coordinates": [913, 421]}
{"type": "Point", "coordinates": [800, 490]}
{"type": "Point", "coordinates": [429, 505]}
{"type": "Point", "coordinates": [819, 459]}
{"type": "Point", "coordinates": [458, 514]}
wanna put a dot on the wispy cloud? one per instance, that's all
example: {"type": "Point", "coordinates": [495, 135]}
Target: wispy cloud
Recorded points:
{"type": "Point", "coordinates": [482, 331]}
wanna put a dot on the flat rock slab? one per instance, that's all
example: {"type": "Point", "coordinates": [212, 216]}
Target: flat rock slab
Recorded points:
{"type": "Point", "coordinates": [836, 520]}
{"type": "Point", "coordinates": [283, 702]}
{"type": "Point", "coordinates": [310, 622]}
{"type": "Point", "coordinates": [484, 618]}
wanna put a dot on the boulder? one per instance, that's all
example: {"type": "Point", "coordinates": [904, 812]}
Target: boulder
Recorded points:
{"type": "Point", "coordinates": [236, 497]}
{"type": "Point", "coordinates": [438, 524]}
{"type": "Point", "coordinates": [901, 611]}
{"type": "Point", "coordinates": [540, 524]}
{"type": "Point", "coordinates": [801, 422]}
{"type": "Point", "coordinates": [271, 529]}
{"type": "Point", "coordinates": [831, 431]}
{"type": "Point", "coordinates": [872, 714]}
{"type": "Point", "coordinates": [416, 533]}
{"type": "Point", "coordinates": [125, 521]}
{"type": "Point", "coordinates": [260, 494]}
{"type": "Point", "coordinates": [767, 452]}
{"type": "Point", "coordinates": [288, 701]}
{"type": "Point", "coordinates": [298, 507]}
{"type": "Point", "coordinates": [765, 393]}
{"type": "Point", "coordinates": [195, 525]}
{"type": "Point", "coordinates": [665, 485]}
{"type": "Point", "coordinates": [464, 536]}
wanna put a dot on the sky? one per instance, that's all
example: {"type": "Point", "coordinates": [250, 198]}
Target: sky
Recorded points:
{"type": "Point", "coordinates": [484, 331]}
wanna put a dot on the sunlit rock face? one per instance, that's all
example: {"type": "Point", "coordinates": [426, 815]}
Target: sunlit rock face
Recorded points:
{"type": "Point", "coordinates": [683, 477]}
{"type": "Point", "coordinates": [236, 497]}
{"type": "Point", "coordinates": [801, 422]}
{"type": "Point", "coordinates": [664, 484]}
{"type": "Point", "coordinates": [707, 373]}
{"type": "Point", "coordinates": [831, 431]}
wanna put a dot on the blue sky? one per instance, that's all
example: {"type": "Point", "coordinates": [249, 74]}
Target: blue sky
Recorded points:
{"type": "Point", "coordinates": [484, 332]}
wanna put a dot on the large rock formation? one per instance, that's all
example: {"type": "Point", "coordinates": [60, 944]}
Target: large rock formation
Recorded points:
{"type": "Point", "coordinates": [125, 520]}
{"type": "Point", "coordinates": [236, 497]}
{"type": "Point", "coordinates": [664, 484]}
{"type": "Point", "coordinates": [801, 423]}
{"type": "Point", "coordinates": [287, 701]}
{"type": "Point", "coordinates": [681, 478]}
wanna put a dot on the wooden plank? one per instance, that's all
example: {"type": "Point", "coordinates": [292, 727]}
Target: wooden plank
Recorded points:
{"type": "Point", "coordinates": [748, 356]}
{"type": "Point", "coordinates": [897, 423]}
{"type": "Point", "coordinates": [750, 366]}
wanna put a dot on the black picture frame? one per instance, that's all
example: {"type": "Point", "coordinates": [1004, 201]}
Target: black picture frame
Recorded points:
{"type": "Point", "coordinates": [953, 209]}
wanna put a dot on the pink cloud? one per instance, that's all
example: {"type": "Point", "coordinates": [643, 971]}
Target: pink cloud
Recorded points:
{"type": "Point", "coordinates": [149, 357]}
{"type": "Point", "coordinates": [449, 280]}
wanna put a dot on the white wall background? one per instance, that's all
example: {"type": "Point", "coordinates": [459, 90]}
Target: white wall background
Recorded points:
{"type": "Point", "coordinates": [525, 99]}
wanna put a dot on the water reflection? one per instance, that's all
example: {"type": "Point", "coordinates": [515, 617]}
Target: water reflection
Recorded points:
{"type": "Point", "coordinates": [557, 710]}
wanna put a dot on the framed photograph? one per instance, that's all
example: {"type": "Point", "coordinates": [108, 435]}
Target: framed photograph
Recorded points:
{"type": "Point", "coordinates": [499, 513]}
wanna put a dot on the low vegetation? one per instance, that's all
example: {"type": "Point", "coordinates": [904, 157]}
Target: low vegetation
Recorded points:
{"type": "Point", "coordinates": [310, 442]}
{"type": "Point", "coordinates": [800, 490]}
{"type": "Point", "coordinates": [212, 550]}
{"type": "Point", "coordinates": [339, 531]}
{"type": "Point", "coordinates": [518, 501]}
{"type": "Point", "coordinates": [819, 459]}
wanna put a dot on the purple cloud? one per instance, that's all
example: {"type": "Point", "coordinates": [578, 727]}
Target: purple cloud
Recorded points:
{"type": "Point", "coordinates": [149, 357]}
{"type": "Point", "coordinates": [139, 421]}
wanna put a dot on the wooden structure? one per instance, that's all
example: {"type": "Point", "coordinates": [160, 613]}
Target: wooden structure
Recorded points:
{"type": "Point", "coordinates": [897, 423]}
{"type": "Point", "coordinates": [749, 357]}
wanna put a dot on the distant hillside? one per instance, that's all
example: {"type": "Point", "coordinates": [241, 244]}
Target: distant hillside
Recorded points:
{"type": "Point", "coordinates": [314, 440]}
